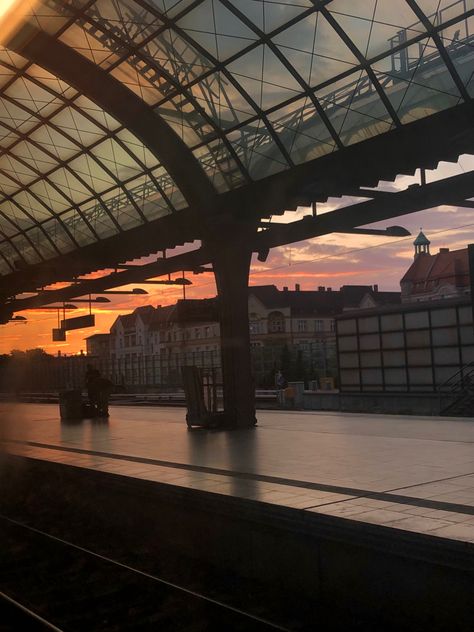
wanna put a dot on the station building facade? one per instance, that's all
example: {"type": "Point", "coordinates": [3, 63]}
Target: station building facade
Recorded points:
{"type": "Point", "coordinates": [289, 329]}
{"type": "Point", "coordinates": [420, 345]}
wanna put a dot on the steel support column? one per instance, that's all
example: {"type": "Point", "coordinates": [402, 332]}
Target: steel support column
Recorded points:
{"type": "Point", "coordinates": [231, 263]}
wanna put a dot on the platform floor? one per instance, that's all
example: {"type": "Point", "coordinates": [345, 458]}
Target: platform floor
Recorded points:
{"type": "Point", "coordinates": [409, 473]}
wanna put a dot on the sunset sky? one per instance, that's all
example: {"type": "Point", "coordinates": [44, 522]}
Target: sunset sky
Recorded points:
{"type": "Point", "coordinates": [313, 51]}
{"type": "Point", "coordinates": [332, 261]}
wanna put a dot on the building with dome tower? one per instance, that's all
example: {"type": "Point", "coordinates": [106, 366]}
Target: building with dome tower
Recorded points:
{"type": "Point", "coordinates": [418, 346]}
{"type": "Point", "coordinates": [435, 276]}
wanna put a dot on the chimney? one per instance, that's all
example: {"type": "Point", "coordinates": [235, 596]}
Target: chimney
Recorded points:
{"type": "Point", "coordinates": [329, 289]}
{"type": "Point", "coordinates": [444, 250]}
{"type": "Point", "coordinates": [321, 288]}
{"type": "Point", "coordinates": [297, 287]}
{"type": "Point", "coordinates": [376, 288]}
{"type": "Point", "coordinates": [285, 289]}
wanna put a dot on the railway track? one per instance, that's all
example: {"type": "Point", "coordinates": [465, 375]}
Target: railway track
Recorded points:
{"type": "Point", "coordinates": [47, 583]}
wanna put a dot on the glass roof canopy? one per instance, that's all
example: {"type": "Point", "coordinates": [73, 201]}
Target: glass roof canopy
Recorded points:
{"type": "Point", "coordinates": [252, 88]}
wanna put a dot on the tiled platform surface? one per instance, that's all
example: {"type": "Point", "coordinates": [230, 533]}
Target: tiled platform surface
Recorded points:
{"type": "Point", "coordinates": [408, 473]}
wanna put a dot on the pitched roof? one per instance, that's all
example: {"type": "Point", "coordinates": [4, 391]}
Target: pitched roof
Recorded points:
{"type": "Point", "coordinates": [314, 302]}
{"type": "Point", "coordinates": [447, 266]}
{"type": "Point", "coordinates": [161, 316]}
{"type": "Point", "coordinates": [269, 295]}
{"type": "Point", "coordinates": [421, 240]}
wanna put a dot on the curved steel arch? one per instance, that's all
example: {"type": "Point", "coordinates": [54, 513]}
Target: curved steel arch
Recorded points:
{"type": "Point", "coordinates": [122, 104]}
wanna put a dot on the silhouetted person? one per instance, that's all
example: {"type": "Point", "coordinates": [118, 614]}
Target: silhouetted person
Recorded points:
{"type": "Point", "coordinates": [92, 375]}
{"type": "Point", "coordinates": [103, 387]}
{"type": "Point", "coordinates": [280, 381]}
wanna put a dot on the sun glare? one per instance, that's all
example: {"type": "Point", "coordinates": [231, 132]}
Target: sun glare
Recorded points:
{"type": "Point", "coordinates": [12, 14]}
{"type": "Point", "coordinates": [6, 5]}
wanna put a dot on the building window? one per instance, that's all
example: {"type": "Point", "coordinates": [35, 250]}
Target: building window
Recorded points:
{"type": "Point", "coordinates": [276, 322]}
{"type": "Point", "coordinates": [197, 333]}
{"type": "Point", "coordinates": [256, 327]}
{"type": "Point", "coordinates": [301, 325]}
{"type": "Point", "coordinates": [207, 331]}
{"type": "Point", "coordinates": [319, 325]}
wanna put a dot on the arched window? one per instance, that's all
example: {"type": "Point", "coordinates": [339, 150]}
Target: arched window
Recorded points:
{"type": "Point", "coordinates": [276, 322]}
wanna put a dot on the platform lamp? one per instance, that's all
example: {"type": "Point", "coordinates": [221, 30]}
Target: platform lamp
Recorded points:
{"type": "Point", "coordinates": [18, 319]}
{"type": "Point", "coordinates": [136, 290]}
{"type": "Point", "coordinates": [169, 281]}
{"type": "Point", "coordinates": [65, 306]}
{"type": "Point", "coordinates": [98, 299]}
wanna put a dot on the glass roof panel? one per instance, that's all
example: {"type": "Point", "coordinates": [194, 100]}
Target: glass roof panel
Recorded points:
{"type": "Point", "coordinates": [34, 156]}
{"type": "Point", "coordinates": [302, 131]}
{"type": "Point", "coordinates": [7, 186]}
{"type": "Point", "coordinates": [355, 109]}
{"type": "Point", "coordinates": [134, 22]}
{"type": "Point", "coordinates": [6, 74]}
{"type": "Point", "coordinates": [315, 50]}
{"type": "Point", "coordinates": [77, 126]}
{"type": "Point", "coordinates": [100, 220]}
{"type": "Point", "coordinates": [422, 87]}
{"type": "Point", "coordinates": [440, 11]}
{"type": "Point", "coordinates": [169, 51]}
{"type": "Point", "coordinates": [148, 198]}
{"type": "Point", "coordinates": [171, 8]}
{"type": "Point", "coordinates": [16, 170]}
{"type": "Point", "coordinates": [264, 78]}
{"type": "Point", "coordinates": [33, 97]}
{"type": "Point", "coordinates": [9, 58]}
{"type": "Point", "coordinates": [116, 159]}
{"type": "Point", "coordinates": [49, 81]}
{"type": "Point", "coordinates": [376, 26]}
{"type": "Point", "coordinates": [216, 29]}
{"type": "Point", "coordinates": [32, 205]}
{"type": "Point", "coordinates": [258, 150]}
{"type": "Point", "coordinates": [51, 197]}
{"type": "Point", "coordinates": [222, 101]}
{"type": "Point", "coordinates": [220, 166]}
{"type": "Point", "coordinates": [90, 171]}
{"type": "Point", "coordinates": [123, 212]}
{"type": "Point", "coordinates": [131, 76]}
{"type": "Point", "coordinates": [458, 40]}
{"type": "Point", "coordinates": [43, 249]}
{"type": "Point", "coordinates": [250, 87]}
{"type": "Point", "coordinates": [71, 187]}
{"type": "Point", "coordinates": [54, 142]}
{"type": "Point", "coordinates": [89, 44]}
{"type": "Point", "coordinates": [268, 15]}
{"type": "Point", "coordinates": [61, 238]}
{"type": "Point", "coordinates": [77, 227]}
{"type": "Point", "coordinates": [104, 119]}
{"type": "Point", "coordinates": [15, 116]}
{"type": "Point", "coordinates": [49, 16]}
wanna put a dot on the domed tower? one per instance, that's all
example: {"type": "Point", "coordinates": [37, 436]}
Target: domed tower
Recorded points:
{"type": "Point", "coordinates": [422, 244]}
